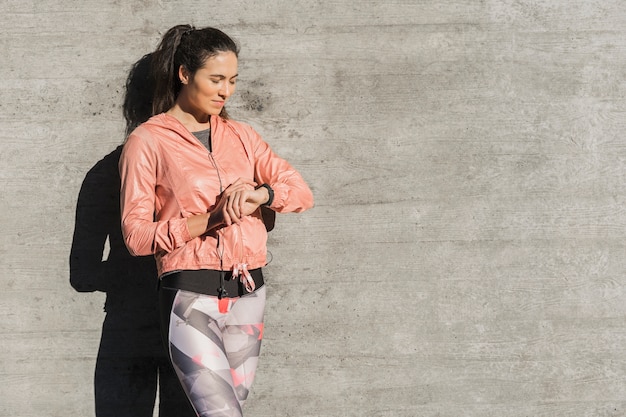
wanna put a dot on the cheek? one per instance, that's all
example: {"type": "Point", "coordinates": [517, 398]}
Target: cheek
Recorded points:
{"type": "Point", "coordinates": [206, 88]}
{"type": "Point", "coordinates": [210, 89]}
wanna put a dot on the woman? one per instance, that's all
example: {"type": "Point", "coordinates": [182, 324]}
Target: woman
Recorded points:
{"type": "Point", "coordinates": [193, 183]}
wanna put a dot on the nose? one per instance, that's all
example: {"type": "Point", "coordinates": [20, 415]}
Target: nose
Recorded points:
{"type": "Point", "coordinates": [226, 90]}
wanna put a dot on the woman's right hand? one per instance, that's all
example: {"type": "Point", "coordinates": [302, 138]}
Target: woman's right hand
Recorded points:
{"type": "Point", "coordinates": [238, 200]}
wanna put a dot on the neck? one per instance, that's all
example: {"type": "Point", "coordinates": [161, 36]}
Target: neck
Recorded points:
{"type": "Point", "coordinates": [193, 122]}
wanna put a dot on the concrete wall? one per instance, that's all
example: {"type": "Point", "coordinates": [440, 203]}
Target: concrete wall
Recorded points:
{"type": "Point", "coordinates": [466, 253]}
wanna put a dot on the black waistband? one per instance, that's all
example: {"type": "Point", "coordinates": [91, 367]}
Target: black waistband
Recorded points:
{"type": "Point", "coordinates": [208, 281]}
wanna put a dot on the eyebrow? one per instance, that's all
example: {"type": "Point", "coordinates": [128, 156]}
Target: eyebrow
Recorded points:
{"type": "Point", "coordinates": [222, 76]}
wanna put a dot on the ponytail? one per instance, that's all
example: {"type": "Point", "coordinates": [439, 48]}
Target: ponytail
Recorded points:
{"type": "Point", "coordinates": [165, 71]}
{"type": "Point", "coordinates": [187, 46]}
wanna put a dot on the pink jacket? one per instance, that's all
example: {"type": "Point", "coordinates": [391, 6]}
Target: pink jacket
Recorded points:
{"type": "Point", "coordinates": [168, 175]}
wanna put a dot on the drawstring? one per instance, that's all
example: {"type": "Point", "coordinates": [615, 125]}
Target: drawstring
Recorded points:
{"type": "Point", "coordinates": [241, 271]}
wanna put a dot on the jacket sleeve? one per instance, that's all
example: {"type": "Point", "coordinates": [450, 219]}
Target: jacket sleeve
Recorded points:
{"type": "Point", "coordinates": [138, 173]}
{"type": "Point", "coordinates": [291, 193]}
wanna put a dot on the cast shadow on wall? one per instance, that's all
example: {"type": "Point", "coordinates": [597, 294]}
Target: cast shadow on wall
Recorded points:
{"type": "Point", "coordinates": [131, 364]}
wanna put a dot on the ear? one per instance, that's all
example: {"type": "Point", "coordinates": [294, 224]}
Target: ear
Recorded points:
{"type": "Point", "coordinates": [183, 75]}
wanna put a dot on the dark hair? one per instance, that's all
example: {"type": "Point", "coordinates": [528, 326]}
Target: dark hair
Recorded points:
{"type": "Point", "coordinates": [187, 46]}
{"type": "Point", "coordinates": [138, 95]}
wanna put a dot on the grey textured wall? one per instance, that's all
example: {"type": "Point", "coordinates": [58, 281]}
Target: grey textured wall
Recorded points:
{"type": "Point", "coordinates": [466, 253]}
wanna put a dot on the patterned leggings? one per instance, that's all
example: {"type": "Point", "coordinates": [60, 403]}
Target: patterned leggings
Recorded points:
{"type": "Point", "coordinates": [214, 346]}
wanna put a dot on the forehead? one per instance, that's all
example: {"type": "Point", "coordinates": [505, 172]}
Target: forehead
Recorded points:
{"type": "Point", "coordinates": [224, 63]}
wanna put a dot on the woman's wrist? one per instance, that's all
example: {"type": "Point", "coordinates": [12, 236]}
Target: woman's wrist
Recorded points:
{"type": "Point", "coordinates": [214, 221]}
{"type": "Point", "coordinates": [270, 194]}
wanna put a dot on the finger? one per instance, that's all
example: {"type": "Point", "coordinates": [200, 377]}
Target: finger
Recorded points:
{"type": "Point", "coordinates": [236, 188]}
{"type": "Point", "coordinates": [236, 204]}
{"type": "Point", "coordinates": [233, 216]}
{"type": "Point", "coordinates": [242, 202]}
